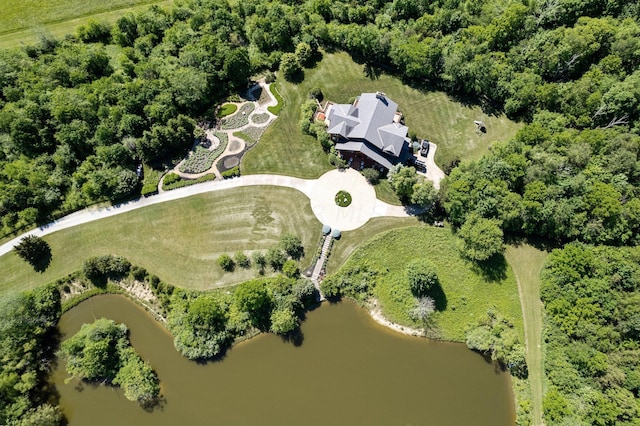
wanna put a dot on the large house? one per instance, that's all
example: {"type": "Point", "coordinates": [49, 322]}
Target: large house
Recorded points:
{"type": "Point", "coordinates": [369, 131]}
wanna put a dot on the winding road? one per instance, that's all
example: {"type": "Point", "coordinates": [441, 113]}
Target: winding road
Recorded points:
{"type": "Point", "coordinates": [320, 191]}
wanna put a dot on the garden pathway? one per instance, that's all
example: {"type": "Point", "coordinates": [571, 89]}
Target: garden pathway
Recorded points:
{"type": "Point", "coordinates": [235, 144]}
{"type": "Point", "coordinates": [320, 191]}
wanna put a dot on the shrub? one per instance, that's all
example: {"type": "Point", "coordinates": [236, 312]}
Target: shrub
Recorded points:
{"type": "Point", "coordinates": [226, 263]}
{"type": "Point", "coordinates": [343, 198]}
{"type": "Point", "coordinates": [100, 268]}
{"type": "Point", "coordinates": [260, 118]}
{"type": "Point", "coordinates": [170, 178]}
{"type": "Point", "coordinates": [316, 93]}
{"type": "Point", "coordinates": [259, 259]}
{"type": "Point", "coordinates": [422, 276]}
{"type": "Point", "coordinates": [371, 175]}
{"type": "Point", "coordinates": [233, 172]}
{"type": "Point", "coordinates": [242, 260]}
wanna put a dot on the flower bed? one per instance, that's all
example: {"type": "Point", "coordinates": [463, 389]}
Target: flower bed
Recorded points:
{"type": "Point", "coordinates": [202, 159]}
{"type": "Point", "coordinates": [260, 118]}
{"type": "Point", "coordinates": [343, 198]}
{"type": "Point", "coordinates": [239, 119]}
{"type": "Point", "coordinates": [250, 135]}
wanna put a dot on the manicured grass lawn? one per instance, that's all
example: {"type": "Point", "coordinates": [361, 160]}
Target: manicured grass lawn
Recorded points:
{"type": "Point", "coordinates": [23, 21]}
{"type": "Point", "coordinates": [469, 294]}
{"type": "Point", "coordinates": [350, 240]}
{"type": "Point", "coordinates": [527, 263]}
{"type": "Point", "coordinates": [179, 240]}
{"type": "Point", "coordinates": [385, 193]}
{"type": "Point", "coordinates": [283, 149]}
{"type": "Point", "coordinates": [431, 115]}
{"type": "Point", "coordinates": [227, 109]}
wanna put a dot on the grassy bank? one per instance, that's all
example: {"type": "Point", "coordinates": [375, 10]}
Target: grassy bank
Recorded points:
{"type": "Point", "coordinates": [24, 22]}
{"type": "Point", "coordinates": [180, 240]}
{"type": "Point", "coordinates": [432, 115]}
{"type": "Point", "coordinates": [527, 263]}
{"type": "Point", "coordinates": [467, 293]}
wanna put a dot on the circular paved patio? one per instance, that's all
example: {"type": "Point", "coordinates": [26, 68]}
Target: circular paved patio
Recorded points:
{"type": "Point", "coordinates": [361, 209]}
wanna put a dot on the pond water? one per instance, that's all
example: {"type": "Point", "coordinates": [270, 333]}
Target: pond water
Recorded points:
{"type": "Point", "coordinates": [348, 370]}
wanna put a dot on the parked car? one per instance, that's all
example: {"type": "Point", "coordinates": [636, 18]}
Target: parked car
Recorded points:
{"type": "Point", "coordinates": [420, 166]}
{"type": "Point", "coordinates": [424, 147]}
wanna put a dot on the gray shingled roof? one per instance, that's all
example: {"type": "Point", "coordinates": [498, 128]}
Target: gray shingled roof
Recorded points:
{"type": "Point", "coordinates": [370, 119]}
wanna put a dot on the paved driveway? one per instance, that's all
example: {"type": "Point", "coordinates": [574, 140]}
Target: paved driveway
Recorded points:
{"type": "Point", "coordinates": [321, 193]}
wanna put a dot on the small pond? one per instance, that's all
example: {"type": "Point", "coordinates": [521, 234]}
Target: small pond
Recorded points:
{"type": "Point", "coordinates": [347, 370]}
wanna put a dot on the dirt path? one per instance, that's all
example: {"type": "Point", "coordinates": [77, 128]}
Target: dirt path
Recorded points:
{"type": "Point", "coordinates": [527, 262]}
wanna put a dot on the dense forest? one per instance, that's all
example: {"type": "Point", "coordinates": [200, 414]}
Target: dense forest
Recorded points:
{"type": "Point", "coordinates": [592, 300]}
{"type": "Point", "coordinates": [78, 115]}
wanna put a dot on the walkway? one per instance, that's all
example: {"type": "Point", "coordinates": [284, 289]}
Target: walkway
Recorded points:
{"type": "Point", "coordinates": [235, 144]}
{"type": "Point", "coordinates": [363, 207]}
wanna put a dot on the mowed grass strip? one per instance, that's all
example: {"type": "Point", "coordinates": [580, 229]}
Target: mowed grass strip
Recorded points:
{"type": "Point", "coordinates": [527, 263]}
{"type": "Point", "coordinates": [180, 240]}
{"type": "Point", "coordinates": [469, 294]}
{"type": "Point", "coordinates": [26, 21]}
{"type": "Point", "coordinates": [432, 115]}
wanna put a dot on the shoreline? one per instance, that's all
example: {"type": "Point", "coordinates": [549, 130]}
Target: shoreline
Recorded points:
{"type": "Point", "coordinates": [376, 313]}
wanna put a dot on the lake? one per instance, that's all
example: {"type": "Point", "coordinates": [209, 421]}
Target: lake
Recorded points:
{"type": "Point", "coordinates": [348, 370]}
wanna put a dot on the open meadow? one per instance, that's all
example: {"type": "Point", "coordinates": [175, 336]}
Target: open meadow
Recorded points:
{"type": "Point", "coordinates": [467, 293]}
{"type": "Point", "coordinates": [24, 21]}
{"type": "Point", "coordinates": [180, 240]}
{"type": "Point", "coordinates": [283, 149]}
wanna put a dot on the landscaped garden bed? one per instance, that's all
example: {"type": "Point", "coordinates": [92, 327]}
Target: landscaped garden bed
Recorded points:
{"type": "Point", "coordinates": [343, 198]}
{"type": "Point", "coordinates": [241, 118]}
{"type": "Point", "coordinates": [202, 159]}
{"type": "Point", "coordinates": [227, 109]}
{"type": "Point", "coordinates": [260, 118]}
{"type": "Point", "coordinates": [250, 135]}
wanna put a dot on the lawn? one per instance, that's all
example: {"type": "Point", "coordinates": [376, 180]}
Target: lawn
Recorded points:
{"type": "Point", "coordinates": [350, 240]}
{"type": "Point", "coordinates": [468, 293]}
{"type": "Point", "coordinates": [432, 115]}
{"type": "Point", "coordinates": [527, 263]}
{"type": "Point", "coordinates": [22, 22]}
{"type": "Point", "coordinates": [180, 240]}
{"type": "Point", "coordinates": [385, 193]}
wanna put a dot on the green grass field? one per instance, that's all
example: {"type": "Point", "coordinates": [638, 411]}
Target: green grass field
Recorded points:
{"type": "Point", "coordinates": [181, 240]}
{"type": "Point", "coordinates": [23, 22]}
{"type": "Point", "coordinates": [432, 115]}
{"type": "Point", "coordinates": [527, 263]}
{"type": "Point", "coordinates": [468, 293]}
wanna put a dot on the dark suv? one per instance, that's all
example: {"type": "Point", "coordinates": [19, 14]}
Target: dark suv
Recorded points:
{"type": "Point", "coordinates": [424, 148]}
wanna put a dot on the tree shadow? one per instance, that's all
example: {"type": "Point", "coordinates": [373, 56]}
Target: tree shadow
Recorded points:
{"type": "Point", "coordinates": [295, 336]}
{"type": "Point", "coordinates": [439, 297]}
{"type": "Point", "coordinates": [493, 269]}
{"type": "Point", "coordinates": [372, 72]}
{"type": "Point", "coordinates": [297, 77]}
{"type": "Point", "coordinates": [43, 261]}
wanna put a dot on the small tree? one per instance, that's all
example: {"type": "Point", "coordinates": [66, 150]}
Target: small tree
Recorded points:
{"type": "Point", "coordinates": [424, 307]}
{"type": "Point", "coordinates": [304, 54]}
{"type": "Point", "coordinates": [242, 260]}
{"type": "Point", "coordinates": [424, 194]}
{"type": "Point", "coordinates": [290, 269]}
{"type": "Point", "coordinates": [259, 260]}
{"type": "Point", "coordinates": [422, 276]}
{"type": "Point", "coordinates": [35, 251]}
{"type": "Point", "coordinates": [402, 180]}
{"type": "Point", "coordinates": [276, 258]}
{"type": "Point", "coordinates": [226, 263]}
{"type": "Point", "coordinates": [290, 67]}
{"type": "Point", "coordinates": [292, 245]}
{"type": "Point", "coordinates": [480, 238]}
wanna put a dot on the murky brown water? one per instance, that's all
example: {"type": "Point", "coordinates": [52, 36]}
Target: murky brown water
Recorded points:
{"type": "Point", "coordinates": [347, 371]}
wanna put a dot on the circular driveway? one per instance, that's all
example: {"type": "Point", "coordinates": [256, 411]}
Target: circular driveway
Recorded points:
{"type": "Point", "coordinates": [361, 209]}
